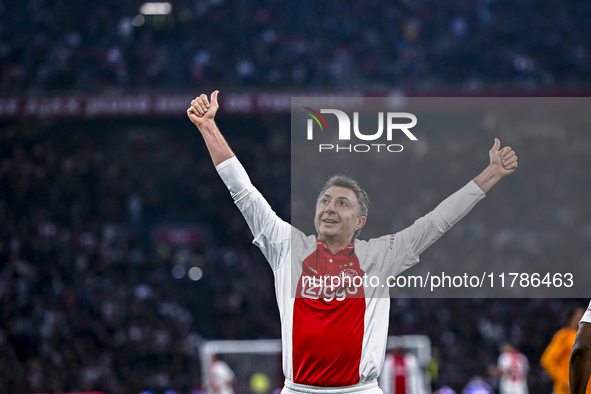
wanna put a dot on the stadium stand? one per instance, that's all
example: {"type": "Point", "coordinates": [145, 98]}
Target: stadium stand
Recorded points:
{"type": "Point", "coordinates": [99, 46]}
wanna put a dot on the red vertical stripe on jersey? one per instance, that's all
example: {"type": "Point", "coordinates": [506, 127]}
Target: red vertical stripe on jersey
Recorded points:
{"type": "Point", "coordinates": [327, 341]}
{"type": "Point", "coordinates": [399, 366]}
{"type": "Point", "coordinates": [328, 335]}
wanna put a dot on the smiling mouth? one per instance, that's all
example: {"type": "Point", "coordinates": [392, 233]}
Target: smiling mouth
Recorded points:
{"type": "Point", "coordinates": [329, 221]}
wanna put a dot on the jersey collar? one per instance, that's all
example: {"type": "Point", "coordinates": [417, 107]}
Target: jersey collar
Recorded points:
{"type": "Point", "coordinates": [346, 251]}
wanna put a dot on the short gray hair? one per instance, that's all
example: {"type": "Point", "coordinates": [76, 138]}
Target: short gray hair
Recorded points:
{"type": "Point", "coordinates": [341, 180]}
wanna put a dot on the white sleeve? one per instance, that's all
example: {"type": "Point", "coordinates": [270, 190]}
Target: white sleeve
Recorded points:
{"type": "Point", "coordinates": [428, 229]}
{"type": "Point", "coordinates": [587, 316]}
{"type": "Point", "coordinates": [271, 234]}
{"type": "Point", "coordinates": [394, 253]}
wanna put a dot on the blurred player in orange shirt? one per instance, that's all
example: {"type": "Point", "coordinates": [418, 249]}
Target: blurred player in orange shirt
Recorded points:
{"type": "Point", "coordinates": [556, 356]}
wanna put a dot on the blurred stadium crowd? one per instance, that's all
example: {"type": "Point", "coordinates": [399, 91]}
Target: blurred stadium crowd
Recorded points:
{"type": "Point", "coordinates": [92, 299]}
{"type": "Point", "coordinates": [89, 299]}
{"type": "Point", "coordinates": [49, 45]}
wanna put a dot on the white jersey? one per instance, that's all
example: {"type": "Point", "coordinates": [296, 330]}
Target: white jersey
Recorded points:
{"type": "Point", "coordinates": [587, 316]}
{"type": "Point", "coordinates": [514, 368]}
{"type": "Point", "coordinates": [330, 341]}
{"type": "Point", "coordinates": [221, 378]}
{"type": "Point", "coordinates": [401, 375]}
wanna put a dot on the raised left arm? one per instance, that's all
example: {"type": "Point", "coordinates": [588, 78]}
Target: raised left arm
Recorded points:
{"type": "Point", "coordinates": [426, 230]}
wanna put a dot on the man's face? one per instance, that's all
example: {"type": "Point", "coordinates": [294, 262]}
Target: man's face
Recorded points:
{"type": "Point", "coordinates": [336, 215]}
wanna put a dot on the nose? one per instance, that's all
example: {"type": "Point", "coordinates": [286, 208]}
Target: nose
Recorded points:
{"type": "Point", "coordinates": [330, 207]}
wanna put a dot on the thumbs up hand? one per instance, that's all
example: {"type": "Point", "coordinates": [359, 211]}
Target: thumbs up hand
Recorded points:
{"type": "Point", "coordinates": [202, 110]}
{"type": "Point", "coordinates": [502, 161]}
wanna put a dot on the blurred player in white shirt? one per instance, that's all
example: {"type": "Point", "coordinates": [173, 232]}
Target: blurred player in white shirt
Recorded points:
{"type": "Point", "coordinates": [512, 368]}
{"type": "Point", "coordinates": [401, 373]}
{"type": "Point", "coordinates": [334, 339]}
{"type": "Point", "coordinates": [221, 377]}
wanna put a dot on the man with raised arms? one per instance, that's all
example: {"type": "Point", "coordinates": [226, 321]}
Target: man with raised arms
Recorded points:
{"type": "Point", "coordinates": [334, 341]}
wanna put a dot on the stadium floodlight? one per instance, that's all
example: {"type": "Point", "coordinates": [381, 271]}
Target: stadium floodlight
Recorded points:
{"type": "Point", "coordinates": [195, 273]}
{"type": "Point", "coordinates": [156, 8]}
{"type": "Point", "coordinates": [138, 20]}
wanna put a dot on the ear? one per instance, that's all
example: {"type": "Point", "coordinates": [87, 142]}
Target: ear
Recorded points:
{"type": "Point", "coordinates": [360, 223]}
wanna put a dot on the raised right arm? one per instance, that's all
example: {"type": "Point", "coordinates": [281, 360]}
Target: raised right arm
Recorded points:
{"type": "Point", "coordinates": [202, 114]}
{"type": "Point", "coordinates": [271, 234]}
